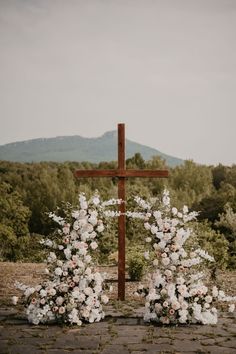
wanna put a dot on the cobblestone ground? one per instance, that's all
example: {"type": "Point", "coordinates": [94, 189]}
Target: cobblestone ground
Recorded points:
{"type": "Point", "coordinates": [121, 332]}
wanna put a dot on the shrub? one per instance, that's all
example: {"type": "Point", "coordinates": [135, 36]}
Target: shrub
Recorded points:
{"type": "Point", "coordinates": [136, 265]}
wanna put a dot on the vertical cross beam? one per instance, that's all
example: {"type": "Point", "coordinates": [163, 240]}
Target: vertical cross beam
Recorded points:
{"type": "Point", "coordinates": [121, 173]}
{"type": "Point", "coordinates": [121, 219]}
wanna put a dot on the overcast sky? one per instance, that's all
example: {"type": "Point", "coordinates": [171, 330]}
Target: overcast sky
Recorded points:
{"type": "Point", "coordinates": [166, 68]}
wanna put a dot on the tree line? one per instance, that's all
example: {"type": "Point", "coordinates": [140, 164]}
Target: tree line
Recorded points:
{"type": "Point", "coordinates": [29, 191]}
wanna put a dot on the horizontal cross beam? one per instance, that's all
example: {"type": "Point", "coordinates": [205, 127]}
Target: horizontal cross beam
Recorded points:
{"type": "Point", "coordinates": [122, 173]}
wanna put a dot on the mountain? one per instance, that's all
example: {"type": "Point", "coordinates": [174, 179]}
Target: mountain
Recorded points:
{"type": "Point", "coordinates": [77, 148]}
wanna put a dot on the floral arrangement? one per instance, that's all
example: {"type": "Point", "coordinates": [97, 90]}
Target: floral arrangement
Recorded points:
{"type": "Point", "coordinates": [74, 291]}
{"type": "Point", "coordinates": [176, 292]}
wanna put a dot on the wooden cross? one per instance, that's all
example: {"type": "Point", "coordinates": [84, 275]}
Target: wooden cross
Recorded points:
{"type": "Point", "coordinates": [122, 174]}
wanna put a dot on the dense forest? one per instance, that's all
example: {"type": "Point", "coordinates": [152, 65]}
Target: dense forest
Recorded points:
{"type": "Point", "coordinates": [29, 191]}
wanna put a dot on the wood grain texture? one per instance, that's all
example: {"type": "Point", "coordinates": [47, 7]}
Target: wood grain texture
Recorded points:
{"type": "Point", "coordinates": [121, 173]}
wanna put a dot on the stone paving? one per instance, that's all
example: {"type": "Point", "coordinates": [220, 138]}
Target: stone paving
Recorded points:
{"type": "Point", "coordinates": [121, 332]}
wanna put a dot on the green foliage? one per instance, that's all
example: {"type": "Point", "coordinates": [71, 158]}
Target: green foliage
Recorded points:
{"type": "Point", "coordinates": [14, 217]}
{"type": "Point", "coordinates": [189, 183]}
{"type": "Point", "coordinates": [29, 191]}
{"type": "Point", "coordinates": [213, 242]}
{"type": "Point", "coordinates": [136, 263]}
{"type": "Point", "coordinates": [227, 224]}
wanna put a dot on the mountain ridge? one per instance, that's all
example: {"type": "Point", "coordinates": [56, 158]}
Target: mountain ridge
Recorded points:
{"type": "Point", "coordinates": [78, 148]}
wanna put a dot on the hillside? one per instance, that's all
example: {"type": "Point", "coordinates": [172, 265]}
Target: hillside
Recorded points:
{"type": "Point", "coordinates": [77, 148]}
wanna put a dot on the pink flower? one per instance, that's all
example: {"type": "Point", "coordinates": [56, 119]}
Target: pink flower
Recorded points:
{"type": "Point", "coordinates": [171, 312]}
{"type": "Point", "coordinates": [61, 310]}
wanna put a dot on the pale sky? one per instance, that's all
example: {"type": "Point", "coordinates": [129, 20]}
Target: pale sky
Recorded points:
{"type": "Point", "coordinates": [166, 68]}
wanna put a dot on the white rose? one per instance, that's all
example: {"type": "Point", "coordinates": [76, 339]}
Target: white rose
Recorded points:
{"type": "Point", "coordinates": [59, 300]}
{"type": "Point", "coordinates": [100, 228]}
{"type": "Point", "coordinates": [51, 291]}
{"type": "Point", "coordinates": [14, 300]}
{"type": "Point", "coordinates": [58, 271]}
{"type": "Point", "coordinates": [208, 299]}
{"type": "Point", "coordinates": [93, 245]}
{"type": "Point", "coordinates": [155, 262]}
{"type": "Point", "coordinates": [157, 214]}
{"type": "Point", "coordinates": [104, 299]}
{"type": "Point", "coordinates": [61, 310]}
{"type": "Point", "coordinates": [88, 291]}
{"type": "Point", "coordinates": [43, 293]}
{"type": "Point", "coordinates": [165, 261]}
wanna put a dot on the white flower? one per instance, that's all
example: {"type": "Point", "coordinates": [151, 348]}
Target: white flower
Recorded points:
{"type": "Point", "coordinates": [148, 239]}
{"type": "Point", "coordinates": [67, 253]}
{"type": "Point", "coordinates": [157, 214]}
{"type": "Point", "coordinates": [155, 262]}
{"type": "Point", "coordinates": [165, 261]}
{"type": "Point", "coordinates": [214, 291]}
{"type": "Point", "coordinates": [29, 291]}
{"type": "Point", "coordinates": [162, 244]}
{"type": "Point", "coordinates": [168, 273]}
{"type": "Point", "coordinates": [104, 299]}
{"type": "Point", "coordinates": [100, 228]}
{"type": "Point", "coordinates": [174, 257]}
{"type": "Point", "coordinates": [158, 307]}
{"type": "Point", "coordinates": [66, 229]}
{"type": "Point", "coordinates": [76, 225]}
{"type": "Point", "coordinates": [96, 200]}
{"type": "Point", "coordinates": [231, 308]}
{"type": "Point", "coordinates": [174, 211]}
{"type": "Point", "coordinates": [147, 226]}
{"type": "Point", "coordinates": [175, 305]}
{"type": "Point", "coordinates": [43, 293]}
{"type": "Point", "coordinates": [183, 290]}
{"type": "Point", "coordinates": [75, 214]}
{"type": "Point", "coordinates": [93, 245]}
{"type": "Point", "coordinates": [88, 291]}
{"type": "Point", "coordinates": [146, 255]}
{"type": "Point", "coordinates": [93, 220]}
{"type": "Point", "coordinates": [154, 229]}
{"type": "Point", "coordinates": [166, 200]}
{"type": "Point", "coordinates": [58, 271]}
{"type": "Point", "coordinates": [52, 291]}
{"type": "Point", "coordinates": [14, 300]}
{"type": "Point", "coordinates": [208, 299]}
{"type": "Point", "coordinates": [61, 310]}
{"type": "Point", "coordinates": [59, 300]}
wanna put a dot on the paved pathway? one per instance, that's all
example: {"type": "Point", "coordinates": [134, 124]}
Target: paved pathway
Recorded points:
{"type": "Point", "coordinates": [121, 332]}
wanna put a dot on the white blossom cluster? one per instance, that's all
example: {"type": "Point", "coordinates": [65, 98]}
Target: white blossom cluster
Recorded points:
{"type": "Point", "coordinates": [176, 292]}
{"type": "Point", "coordinates": [74, 292]}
